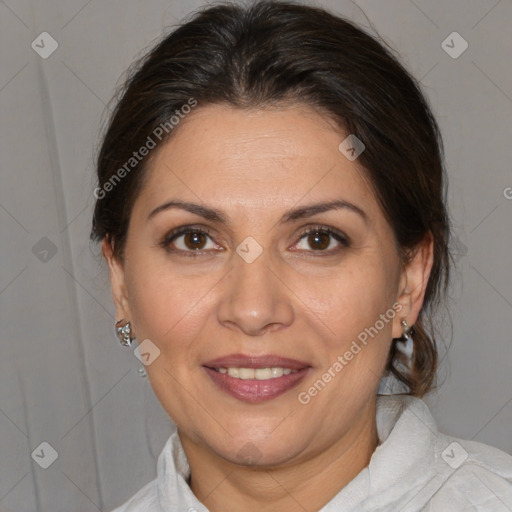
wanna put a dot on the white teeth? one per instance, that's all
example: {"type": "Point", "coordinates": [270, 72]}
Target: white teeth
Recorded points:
{"type": "Point", "coordinates": [234, 372]}
{"type": "Point", "coordinates": [245, 373]}
{"type": "Point", "coordinates": [263, 373]}
{"type": "Point", "coordinates": [277, 372]}
{"type": "Point", "coordinates": [256, 373]}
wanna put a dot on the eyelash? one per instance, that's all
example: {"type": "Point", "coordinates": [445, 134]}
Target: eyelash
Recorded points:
{"type": "Point", "coordinates": [176, 233]}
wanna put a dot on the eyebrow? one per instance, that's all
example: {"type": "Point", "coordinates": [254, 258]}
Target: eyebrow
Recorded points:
{"type": "Point", "coordinates": [215, 215]}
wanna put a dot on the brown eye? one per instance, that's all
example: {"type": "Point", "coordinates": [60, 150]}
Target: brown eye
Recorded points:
{"type": "Point", "coordinates": [322, 240]}
{"type": "Point", "coordinates": [188, 241]}
{"type": "Point", "coordinates": [194, 240]}
{"type": "Point", "coordinates": [319, 240]}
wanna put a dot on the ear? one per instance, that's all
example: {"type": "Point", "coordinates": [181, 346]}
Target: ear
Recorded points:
{"type": "Point", "coordinates": [117, 281]}
{"type": "Point", "coordinates": [413, 284]}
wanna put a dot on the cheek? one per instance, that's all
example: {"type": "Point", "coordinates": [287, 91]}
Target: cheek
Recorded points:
{"type": "Point", "coordinates": [351, 298]}
{"type": "Point", "coordinates": [165, 306]}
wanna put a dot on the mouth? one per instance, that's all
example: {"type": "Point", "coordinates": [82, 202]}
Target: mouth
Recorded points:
{"type": "Point", "coordinates": [256, 379]}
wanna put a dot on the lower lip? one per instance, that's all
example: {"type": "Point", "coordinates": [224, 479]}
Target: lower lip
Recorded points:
{"type": "Point", "coordinates": [253, 390]}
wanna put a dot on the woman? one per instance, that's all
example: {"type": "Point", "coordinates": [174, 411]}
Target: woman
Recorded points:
{"type": "Point", "coordinates": [270, 203]}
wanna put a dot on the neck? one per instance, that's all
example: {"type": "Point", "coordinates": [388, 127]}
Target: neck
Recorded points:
{"type": "Point", "coordinates": [305, 485]}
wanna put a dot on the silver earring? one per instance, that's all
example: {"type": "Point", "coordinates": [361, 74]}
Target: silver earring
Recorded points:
{"type": "Point", "coordinates": [408, 331]}
{"type": "Point", "coordinates": [124, 332]}
{"type": "Point", "coordinates": [406, 348]}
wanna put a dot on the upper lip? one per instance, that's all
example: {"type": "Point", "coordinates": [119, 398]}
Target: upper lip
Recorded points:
{"type": "Point", "coordinates": [248, 361]}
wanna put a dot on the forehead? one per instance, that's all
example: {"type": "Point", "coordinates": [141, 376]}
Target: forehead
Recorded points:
{"type": "Point", "coordinates": [257, 159]}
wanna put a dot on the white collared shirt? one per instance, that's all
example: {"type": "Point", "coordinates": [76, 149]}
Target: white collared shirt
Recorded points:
{"type": "Point", "coordinates": [414, 468]}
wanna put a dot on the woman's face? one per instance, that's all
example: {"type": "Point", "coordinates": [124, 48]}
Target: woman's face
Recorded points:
{"type": "Point", "coordinates": [263, 279]}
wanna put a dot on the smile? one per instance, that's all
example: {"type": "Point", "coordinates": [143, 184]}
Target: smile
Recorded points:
{"type": "Point", "coordinates": [256, 379]}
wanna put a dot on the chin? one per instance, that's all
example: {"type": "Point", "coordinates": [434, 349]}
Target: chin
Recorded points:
{"type": "Point", "coordinates": [259, 448]}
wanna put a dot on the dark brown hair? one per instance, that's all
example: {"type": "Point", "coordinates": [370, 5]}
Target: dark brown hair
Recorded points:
{"type": "Point", "coordinates": [271, 53]}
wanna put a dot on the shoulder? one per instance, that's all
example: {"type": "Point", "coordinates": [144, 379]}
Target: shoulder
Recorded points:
{"type": "Point", "coordinates": [440, 473]}
{"type": "Point", "coordinates": [476, 477]}
{"type": "Point", "coordinates": [145, 500]}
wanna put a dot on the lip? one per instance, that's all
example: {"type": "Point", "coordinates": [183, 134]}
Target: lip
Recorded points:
{"type": "Point", "coordinates": [253, 390]}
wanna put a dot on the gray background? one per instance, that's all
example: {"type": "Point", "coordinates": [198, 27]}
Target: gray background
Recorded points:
{"type": "Point", "coordinates": [65, 380]}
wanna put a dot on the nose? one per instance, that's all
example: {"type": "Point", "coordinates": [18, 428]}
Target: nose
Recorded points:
{"type": "Point", "coordinates": [255, 300]}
